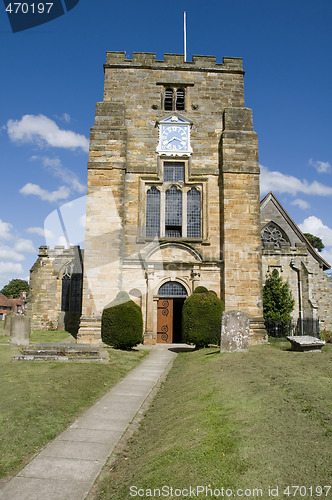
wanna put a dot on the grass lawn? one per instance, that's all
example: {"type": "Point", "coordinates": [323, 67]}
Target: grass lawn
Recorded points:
{"type": "Point", "coordinates": [40, 399]}
{"type": "Point", "coordinates": [245, 420]}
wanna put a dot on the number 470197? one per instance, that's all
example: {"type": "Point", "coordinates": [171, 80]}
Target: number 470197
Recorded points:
{"type": "Point", "coordinates": [310, 491]}
{"type": "Point", "coordinates": [29, 8]}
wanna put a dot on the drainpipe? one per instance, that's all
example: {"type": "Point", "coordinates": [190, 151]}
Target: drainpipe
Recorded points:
{"type": "Point", "coordinates": [299, 285]}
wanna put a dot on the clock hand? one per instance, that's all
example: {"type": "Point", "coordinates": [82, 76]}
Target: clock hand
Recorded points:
{"type": "Point", "coordinates": [173, 138]}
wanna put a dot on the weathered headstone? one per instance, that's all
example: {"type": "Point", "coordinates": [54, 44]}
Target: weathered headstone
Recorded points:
{"type": "Point", "coordinates": [20, 330]}
{"type": "Point", "coordinates": [7, 322]}
{"type": "Point", "coordinates": [234, 331]}
{"type": "Point", "coordinates": [61, 320]}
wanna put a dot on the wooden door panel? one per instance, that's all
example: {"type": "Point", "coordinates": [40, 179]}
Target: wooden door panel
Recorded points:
{"type": "Point", "coordinates": [165, 321]}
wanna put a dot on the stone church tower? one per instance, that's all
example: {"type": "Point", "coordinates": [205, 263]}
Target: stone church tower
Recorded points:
{"type": "Point", "coordinates": [173, 193]}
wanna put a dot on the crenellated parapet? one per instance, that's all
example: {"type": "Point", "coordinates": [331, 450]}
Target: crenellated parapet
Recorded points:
{"type": "Point", "coordinates": [173, 61]}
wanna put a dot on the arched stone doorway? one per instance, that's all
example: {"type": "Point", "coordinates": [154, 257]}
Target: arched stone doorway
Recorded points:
{"type": "Point", "coordinates": [172, 295]}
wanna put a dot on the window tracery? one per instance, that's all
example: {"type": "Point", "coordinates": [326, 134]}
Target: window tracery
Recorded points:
{"type": "Point", "coordinates": [173, 206]}
{"type": "Point", "coordinates": [272, 233]}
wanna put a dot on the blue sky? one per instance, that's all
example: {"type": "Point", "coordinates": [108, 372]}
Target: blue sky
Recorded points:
{"type": "Point", "coordinates": [52, 77]}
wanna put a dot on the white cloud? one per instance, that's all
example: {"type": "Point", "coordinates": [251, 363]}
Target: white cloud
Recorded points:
{"type": "Point", "coordinates": [322, 167]}
{"type": "Point", "coordinates": [8, 253]}
{"type": "Point", "coordinates": [61, 194]}
{"type": "Point", "coordinates": [281, 183]}
{"type": "Point", "coordinates": [23, 245]}
{"type": "Point", "coordinates": [10, 268]}
{"type": "Point", "coordinates": [304, 205]}
{"type": "Point", "coordinates": [40, 231]}
{"type": "Point", "coordinates": [65, 117]}
{"type": "Point", "coordinates": [327, 255]}
{"type": "Point", "coordinates": [63, 241]}
{"type": "Point", "coordinates": [5, 229]}
{"type": "Point", "coordinates": [315, 226]}
{"type": "Point", "coordinates": [82, 220]}
{"type": "Point", "coordinates": [54, 165]}
{"type": "Point", "coordinates": [41, 130]}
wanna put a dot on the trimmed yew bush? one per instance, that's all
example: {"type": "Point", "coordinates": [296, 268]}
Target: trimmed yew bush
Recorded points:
{"type": "Point", "coordinates": [201, 318]}
{"type": "Point", "coordinates": [122, 323]}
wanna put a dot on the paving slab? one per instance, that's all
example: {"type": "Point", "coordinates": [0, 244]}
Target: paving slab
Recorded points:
{"type": "Point", "coordinates": [69, 465]}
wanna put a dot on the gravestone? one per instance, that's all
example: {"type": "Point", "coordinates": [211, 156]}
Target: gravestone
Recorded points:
{"type": "Point", "coordinates": [234, 332]}
{"type": "Point", "coordinates": [7, 322]}
{"type": "Point", "coordinates": [61, 320]}
{"type": "Point", "coordinates": [20, 330]}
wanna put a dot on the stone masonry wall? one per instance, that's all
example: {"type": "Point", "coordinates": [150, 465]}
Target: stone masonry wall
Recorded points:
{"type": "Point", "coordinates": [240, 226]}
{"type": "Point", "coordinates": [316, 286]}
{"type": "Point", "coordinates": [44, 300]}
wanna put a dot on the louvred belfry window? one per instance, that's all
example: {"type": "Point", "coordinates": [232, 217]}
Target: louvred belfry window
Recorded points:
{"type": "Point", "coordinates": [168, 100]}
{"type": "Point", "coordinates": [174, 100]}
{"type": "Point", "coordinates": [180, 100]}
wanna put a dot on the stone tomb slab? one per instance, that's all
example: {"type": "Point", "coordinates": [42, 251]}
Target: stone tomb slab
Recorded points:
{"type": "Point", "coordinates": [305, 343]}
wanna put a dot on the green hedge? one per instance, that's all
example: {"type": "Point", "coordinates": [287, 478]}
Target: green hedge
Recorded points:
{"type": "Point", "coordinates": [201, 318]}
{"type": "Point", "coordinates": [122, 323]}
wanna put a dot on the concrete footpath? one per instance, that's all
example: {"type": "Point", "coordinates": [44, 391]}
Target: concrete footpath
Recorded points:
{"type": "Point", "coordinates": [69, 465]}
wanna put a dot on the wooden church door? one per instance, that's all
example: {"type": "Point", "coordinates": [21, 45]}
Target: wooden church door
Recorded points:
{"type": "Point", "coordinates": [165, 321]}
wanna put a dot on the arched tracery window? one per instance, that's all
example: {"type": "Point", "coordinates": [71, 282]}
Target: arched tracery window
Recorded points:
{"type": "Point", "coordinates": [272, 233]}
{"type": "Point", "coordinates": [65, 297]}
{"type": "Point", "coordinates": [71, 296]}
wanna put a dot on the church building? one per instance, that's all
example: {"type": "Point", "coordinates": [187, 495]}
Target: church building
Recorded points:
{"type": "Point", "coordinates": [173, 192]}
{"type": "Point", "coordinates": [173, 201]}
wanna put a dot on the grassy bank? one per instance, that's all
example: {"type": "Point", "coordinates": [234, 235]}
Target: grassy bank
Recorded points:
{"type": "Point", "coordinates": [40, 399]}
{"type": "Point", "coordinates": [246, 420]}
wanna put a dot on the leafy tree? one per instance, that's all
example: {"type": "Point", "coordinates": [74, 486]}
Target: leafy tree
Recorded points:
{"type": "Point", "coordinates": [315, 241]}
{"type": "Point", "coordinates": [14, 288]}
{"type": "Point", "coordinates": [278, 301]}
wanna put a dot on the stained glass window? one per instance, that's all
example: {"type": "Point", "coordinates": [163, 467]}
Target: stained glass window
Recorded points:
{"type": "Point", "coordinates": [194, 213]}
{"type": "Point", "coordinates": [173, 213]}
{"type": "Point", "coordinates": [153, 212]}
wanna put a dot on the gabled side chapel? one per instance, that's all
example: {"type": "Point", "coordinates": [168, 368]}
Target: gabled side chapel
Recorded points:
{"type": "Point", "coordinates": [173, 199]}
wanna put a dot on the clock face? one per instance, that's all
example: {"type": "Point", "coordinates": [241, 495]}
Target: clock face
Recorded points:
{"type": "Point", "coordinates": [174, 138]}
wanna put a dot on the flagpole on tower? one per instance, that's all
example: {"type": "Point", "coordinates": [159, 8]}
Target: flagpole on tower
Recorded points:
{"type": "Point", "coordinates": [185, 35]}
